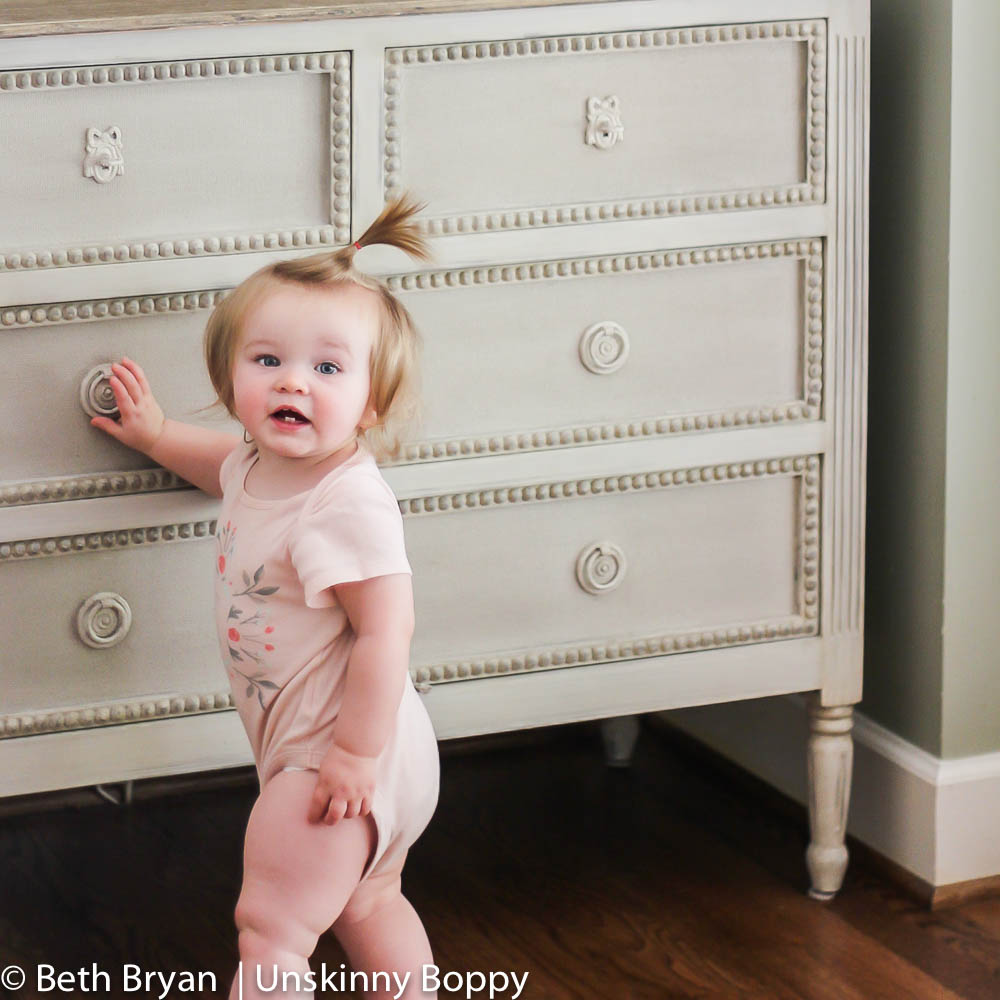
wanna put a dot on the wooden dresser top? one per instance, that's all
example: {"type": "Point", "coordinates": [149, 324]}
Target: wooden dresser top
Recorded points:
{"type": "Point", "coordinates": [19, 18]}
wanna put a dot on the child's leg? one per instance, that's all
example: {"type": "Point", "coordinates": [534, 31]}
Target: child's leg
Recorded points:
{"type": "Point", "coordinates": [297, 877]}
{"type": "Point", "coordinates": [381, 932]}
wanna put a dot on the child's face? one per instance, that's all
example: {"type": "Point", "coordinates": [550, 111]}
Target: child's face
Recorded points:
{"type": "Point", "coordinates": [301, 380]}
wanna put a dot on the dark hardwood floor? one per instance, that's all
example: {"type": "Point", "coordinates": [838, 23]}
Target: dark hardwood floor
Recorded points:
{"type": "Point", "coordinates": [668, 879]}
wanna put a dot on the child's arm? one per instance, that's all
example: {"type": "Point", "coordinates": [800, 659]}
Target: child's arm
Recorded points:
{"type": "Point", "coordinates": [194, 453]}
{"type": "Point", "coordinates": [381, 613]}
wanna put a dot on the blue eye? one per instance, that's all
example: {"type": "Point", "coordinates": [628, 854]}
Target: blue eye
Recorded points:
{"type": "Point", "coordinates": [267, 360]}
{"type": "Point", "coordinates": [327, 367]}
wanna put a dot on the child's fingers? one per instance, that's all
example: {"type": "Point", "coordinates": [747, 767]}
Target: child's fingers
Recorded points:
{"type": "Point", "coordinates": [319, 807]}
{"type": "Point", "coordinates": [336, 812]}
{"type": "Point", "coordinates": [136, 369]}
{"type": "Point", "coordinates": [126, 406]}
{"type": "Point", "coordinates": [128, 379]}
{"type": "Point", "coordinates": [108, 425]}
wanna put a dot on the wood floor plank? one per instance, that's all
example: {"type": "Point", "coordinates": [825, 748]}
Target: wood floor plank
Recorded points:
{"type": "Point", "coordinates": [949, 946]}
{"type": "Point", "coordinates": [668, 879]}
{"type": "Point", "coordinates": [985, 914]}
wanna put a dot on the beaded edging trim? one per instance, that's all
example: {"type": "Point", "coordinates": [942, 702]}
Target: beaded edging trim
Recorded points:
{"type": "Point", "coordinates": [804, 623]}
{"type": "Point", "coordinates": [336, 64]}
{"type": "Point", "coordinates": [813, 191]}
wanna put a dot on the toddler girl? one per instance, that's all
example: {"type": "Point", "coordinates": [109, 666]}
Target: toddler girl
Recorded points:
{"type": "Point", "coordinates": [314, 606]}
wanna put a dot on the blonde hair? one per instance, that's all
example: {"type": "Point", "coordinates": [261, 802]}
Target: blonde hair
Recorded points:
{"type": "Point", "coordinates": [394, 356]}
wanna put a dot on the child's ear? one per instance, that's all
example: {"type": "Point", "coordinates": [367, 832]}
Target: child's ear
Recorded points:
{"type": "Point", "coordinates": [369, 418]}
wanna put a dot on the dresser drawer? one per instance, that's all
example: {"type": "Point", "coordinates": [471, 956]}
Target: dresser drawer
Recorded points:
{"type": "Point", "coordinates": [140, 161]}
{"type": "Point", "coordinates": [112, 627]}
{"type": "Point", "coordinates": [552, 575]}
{"type": "Point", "coordinates": [46, 401]}
{"type": "Point", "coordinates": [548, 354]}
{"type": "Point", "coordinates": [516, 133]}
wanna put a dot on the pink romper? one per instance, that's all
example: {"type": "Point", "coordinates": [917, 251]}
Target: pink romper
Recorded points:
{"type": "Point", "coordinates": [285, 639]}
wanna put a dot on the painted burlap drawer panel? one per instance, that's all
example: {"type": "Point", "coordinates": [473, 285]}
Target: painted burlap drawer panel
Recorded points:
{"type": "Point", "coordinates": [528, 356]}
{"type": "Point", "coordinates": [168, 649]}
{"type": "Point", "coordinates": [623, 125]}
{"type": "Point", "coordinates": [174, 159]}
{"type": "Point", "coordinates": [602, 569]}
{"type": "Point", "coordinates": [53, 358]}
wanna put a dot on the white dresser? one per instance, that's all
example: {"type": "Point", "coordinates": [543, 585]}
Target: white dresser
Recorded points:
{"type": "Point", "coordinates": [639, 482]}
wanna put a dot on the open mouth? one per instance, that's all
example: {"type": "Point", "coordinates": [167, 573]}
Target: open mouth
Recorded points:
{"type": "Point", "coordinates": [287, 415]}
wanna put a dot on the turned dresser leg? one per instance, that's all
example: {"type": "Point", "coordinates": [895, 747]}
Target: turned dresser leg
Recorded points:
{"type": "Point", "coordinates": [619, 736]}
{"type": "Point", "coordinates": [830, 759]}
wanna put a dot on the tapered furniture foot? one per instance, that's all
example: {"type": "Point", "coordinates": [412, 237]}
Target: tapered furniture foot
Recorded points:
{"type": "Point", "coordinates": [831, 754]}
{"type": "Point", "coordinates": [619, 736]}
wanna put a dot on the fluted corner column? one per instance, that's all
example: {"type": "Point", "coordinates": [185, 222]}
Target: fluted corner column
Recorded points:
{"type": "Point", "coordinates": [831, 755]}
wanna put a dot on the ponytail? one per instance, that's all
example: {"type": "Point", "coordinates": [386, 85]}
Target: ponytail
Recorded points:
{"type": "Point", "coordinates": [393, 364]}
{"type": "Point", "coordinates": [394, 227]}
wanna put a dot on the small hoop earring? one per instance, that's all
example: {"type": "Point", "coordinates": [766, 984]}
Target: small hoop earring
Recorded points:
{"type": "Point", "coordinates": [248, 440]}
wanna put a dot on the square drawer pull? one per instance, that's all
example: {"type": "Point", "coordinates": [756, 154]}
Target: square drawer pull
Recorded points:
{"type": "Point", "coordinates": [104, 160]}
{"type": "Point", "coordinates": [604, 123]}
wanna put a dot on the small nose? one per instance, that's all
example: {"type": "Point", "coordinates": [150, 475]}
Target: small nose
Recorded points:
{"type": "Point", "coordinates": [290, 379]}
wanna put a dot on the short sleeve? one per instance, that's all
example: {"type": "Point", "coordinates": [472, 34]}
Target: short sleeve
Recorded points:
{"type": "Point", "coordinates": [351, 531]}
{"type": "Point", "coordinates": [232, 462]}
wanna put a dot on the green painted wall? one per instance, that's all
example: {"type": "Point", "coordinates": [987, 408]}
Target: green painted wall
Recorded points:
{"type": "Point", "coordinates": [908, 357]}
{"type": "Point", "coordinates": [932, 663]}
{"type": "Point", "coordinates": [971, 654]}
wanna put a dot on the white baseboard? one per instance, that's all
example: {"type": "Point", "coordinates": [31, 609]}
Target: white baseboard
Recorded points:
{"type": "Point", "coordinates": [936, 818]}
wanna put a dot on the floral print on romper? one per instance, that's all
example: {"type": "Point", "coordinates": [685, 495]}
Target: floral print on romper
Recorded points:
{"type": "Point", "coordinates": [250, 636]}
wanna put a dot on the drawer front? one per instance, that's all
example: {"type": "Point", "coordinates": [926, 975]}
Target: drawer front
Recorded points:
{"type": "Point", "coordinates": [114, 627]}
{"type": "Point", "coordinates": [112, 163]}
{"type": "Point", "coordinates": [46, 401]}
{"type": "Point", "coordinates": [595, 570]}
{"type": "Point", "coordinates": [528, 356]}
{"type": "Point", "coordinates": [623, 125]}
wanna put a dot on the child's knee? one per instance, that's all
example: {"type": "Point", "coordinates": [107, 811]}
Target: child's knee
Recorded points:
{"type": "Point", "coordinates": [371, 895]}
{"type": "Point", "coordinates": [269, 930]}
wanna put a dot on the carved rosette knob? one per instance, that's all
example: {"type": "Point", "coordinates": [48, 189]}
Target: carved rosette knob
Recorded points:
{"type": "Point", "coordinates": [96, 394]}
{"type": "Point", "coordinates": [600, 567]}
{"type": "Point", "coordinates": [103, 620]}
{"type": "Point", "coordinates": [604, 347]}
{"type": "Point", "coordinates": [104, 161]}
{"type": "Point", "coordinates": [604, 123]}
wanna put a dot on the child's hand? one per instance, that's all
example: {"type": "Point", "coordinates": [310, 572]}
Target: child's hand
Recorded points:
{"type": "Point", "coordinates": [344, 788]}
{"type": "Point", "coordinates": [141, 417]}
